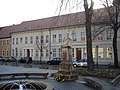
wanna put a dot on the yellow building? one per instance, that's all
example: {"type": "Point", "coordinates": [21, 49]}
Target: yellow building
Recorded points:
{"type": "Point", "coordinates": [5, 47]}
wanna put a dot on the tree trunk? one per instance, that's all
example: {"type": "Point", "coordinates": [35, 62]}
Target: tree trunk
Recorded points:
{"type": "Point", "coordinates": [88, 14]}
{"type": "Point", "coordinates": [115, 49]}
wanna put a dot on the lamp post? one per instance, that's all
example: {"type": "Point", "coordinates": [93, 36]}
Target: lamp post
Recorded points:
{"type": "Point", "coordinates": [97, 55]}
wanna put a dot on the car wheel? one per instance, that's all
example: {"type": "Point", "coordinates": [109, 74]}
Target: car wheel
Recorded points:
{"type": "Point", "coordinates": [74, 65]}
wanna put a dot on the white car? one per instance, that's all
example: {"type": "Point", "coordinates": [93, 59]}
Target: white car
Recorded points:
{"type": "Point", "coordinates": [80, 63]}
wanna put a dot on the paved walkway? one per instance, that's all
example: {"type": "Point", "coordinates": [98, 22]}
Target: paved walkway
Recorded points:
{"type": "Point", "coordinates": [77, 85]}
{"type": "Point", "coordinates": [73, 85]}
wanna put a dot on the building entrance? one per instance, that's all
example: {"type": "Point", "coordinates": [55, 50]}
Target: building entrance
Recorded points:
{"type": "Point", "coordinates": [78, 52]}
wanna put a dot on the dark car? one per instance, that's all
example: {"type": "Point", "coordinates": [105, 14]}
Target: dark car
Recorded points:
{"type": "Point", "coordinates": [1, 58]}
{"type": "Point", "coordinates": [10, 59]}
{"type": "Point", "coordinates": [25, 60]}
{"type": "Point", "coordinates": [54, 61]}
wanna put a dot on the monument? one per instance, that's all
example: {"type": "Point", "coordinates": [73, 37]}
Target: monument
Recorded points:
{"type": "Point", "coordinates": [66, 67]}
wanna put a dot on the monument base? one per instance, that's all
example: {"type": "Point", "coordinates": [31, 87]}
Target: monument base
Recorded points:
{"type": "Point", "coordinates": [68, 76]}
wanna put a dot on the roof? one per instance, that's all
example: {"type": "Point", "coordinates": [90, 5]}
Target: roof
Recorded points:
{"type": "Point", "coordinates": [47, 23]}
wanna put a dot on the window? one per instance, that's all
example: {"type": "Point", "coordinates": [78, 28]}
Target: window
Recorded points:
{"type": "Point", "coordinates": [37, 39]}
{"type": "Point", "coordinates": [74, 36]}
{"type": "Point", "coordinates": [54, 52]}
{"type": "Point", "coordinates": [20, 53]}
{"type": "Point", "coordinates": [42, 39]}
{"type": "Point", "coordinates": [93, 52]}
{"type": "Point", "coordinates": [31, 40]}
{"type": "Point", "coordinates": [47, 38]}
{"type": "Point", "coordinates": [12, 52]}
{"type": "Point", "coordinates": [72, 52]}
{"type": "Point", "coordinates": [4, 42]}
{"type": "Point", "coordinates": [7, 53]}
{"type": "Point", "coordinates": [7, 42]}
{"type": "Point", "coordinates": [100, 52]}
{"type": "Point", "coordinates": [60, 52]}
{"type": "Point", "coordinates": [16, 52]}
{"type": "Point", "coordinates": [85, 53]}
{"type": "Point", "coordinates": [13, 41]}
{"type": "Point", "coordinates": [31, 52]}
{"type": "Point", "coordinates": [108, 34]}
{"type": "Point", "coordinates": [3, 53]}
{"type": "Point", "coordinates": [47, 53]}
{"type": "Point", "coordinates": [16, 40]}
{"type": "Point", "coordinates": [54, 38]}
{"type": "Point", "coordinates": [20, 40]}
{"type": "Point", "coordinates": [83, 36]}
{"type": "Point", "coordinates": [60, 37]}
{"type": "Point", "coordinates": [36, 53]}
{"type": "Point", "coordinates": [26, 40]}
{"type": "Point", "coordinates": [109, 52]}
{"type": "Point", "coordinates": [100, 36]}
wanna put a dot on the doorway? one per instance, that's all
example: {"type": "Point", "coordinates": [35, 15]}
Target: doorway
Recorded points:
{"type": "Point", "coordinates": [28, 53]}
{"type": "Point", "coordinates": [78, 52]}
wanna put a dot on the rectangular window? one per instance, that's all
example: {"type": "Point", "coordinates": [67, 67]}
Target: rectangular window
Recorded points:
{"type": "Point", "coordinates": [31, 52]}
{"type": "Point", "coordinates": [93, 52]}
{"type": "Point", "coordinates": [109, 52]}
{"type": "Point", "coordinates": [36, 53]}
{"type": "Point", "coordinates": [42, 39]}
{"type": "Point", "coordinates": [47, 53]}
{"type": "Point", "coordinates": [13, 41]}
{"type": "Point", "coordinates": [100, 52]}
{"type": "Point", "coordinates": [37, 39]}
{"type": "Point", "coordinates": [60, 52]}
{"type": "Point", "coordinates": [72, 52]}
{"type": "Point", "coordinates": [16, 52]}
{"type": "Point", "coordinates": [26, 40]}
{"type": "Point", "coordinates": [60, 37]}
{"type": "Point", "coordinates": [4, 42]}
{"type": "Point", "coordinates": [54, 38]}
{"type": "Point", "coordinates": [54, 52]}
{"type": "Point", "coordinates": [16, 40]}
{"type": "Point", "coordinates": [7, 42]}
{"type": "Point", "coordinates": [83, 36]}
{"type": "Point", "coordinates": [108, 34]}
{"type": "Point", "coordinates": [31, 40]}
{"type": "Point", "coordinates": [74, 36]}
{"type": "Point", "coordinates": [21, 40]}
{"type": "Point", "coordinates": [7, 53]}
{"type": "Point", "coordinates": [3, 54]}
{"type": "Point", "coordinates": [100, 36]}
{"type": "Point", "coordinates": [12, 52]}
{"type": "Point", "coordinates": [20, 53]}
{"type": "Point", "coordinates": [47, 38]}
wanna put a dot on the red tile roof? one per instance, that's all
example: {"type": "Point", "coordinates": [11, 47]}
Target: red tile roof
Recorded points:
{"type": "Point", "coordinates": [51, 22]}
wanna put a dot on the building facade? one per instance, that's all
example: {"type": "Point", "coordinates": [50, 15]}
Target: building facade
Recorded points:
{"type": "Point", "coordinates": [42, 39]}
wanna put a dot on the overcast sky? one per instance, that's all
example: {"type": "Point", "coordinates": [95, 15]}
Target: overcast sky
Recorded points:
{"type": "Point", "coordinates": [17, 11]}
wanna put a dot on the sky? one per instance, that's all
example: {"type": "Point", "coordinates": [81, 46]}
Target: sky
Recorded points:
{"type": "Point", "coordinates": [17, 11]}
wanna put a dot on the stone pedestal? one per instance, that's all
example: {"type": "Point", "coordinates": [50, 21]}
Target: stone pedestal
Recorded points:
{"type": "Point", "coordinates": [66, 67]}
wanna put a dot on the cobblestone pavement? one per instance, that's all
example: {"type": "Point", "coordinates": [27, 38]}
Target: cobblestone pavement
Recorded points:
{"type": "Point", "coordinates": [73, 85]}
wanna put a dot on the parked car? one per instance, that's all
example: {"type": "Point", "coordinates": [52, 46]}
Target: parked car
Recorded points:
{"type": "Point", "coordinates": [1, 58]}
{"type": "Point", "coordinates": [80, 63]}
{"type": "Point", "coordinates": [25, 60]}
{"type": "Point", "coordinates": [54, 61]}
{"type": "Point", "coordinates": [10, 59]}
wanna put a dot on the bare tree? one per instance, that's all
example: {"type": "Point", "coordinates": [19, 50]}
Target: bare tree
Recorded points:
{"type": "Point", "coordinates": [88, 13]}
{"type": "Point", "coordinates": [113, 11]}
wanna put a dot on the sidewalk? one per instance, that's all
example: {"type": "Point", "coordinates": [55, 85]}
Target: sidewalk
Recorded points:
{"type": "Point", "coordinates": [103, 82]}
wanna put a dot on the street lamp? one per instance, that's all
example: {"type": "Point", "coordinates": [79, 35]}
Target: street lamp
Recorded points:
{"type": "Point", "coordinates": [97, 55]}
